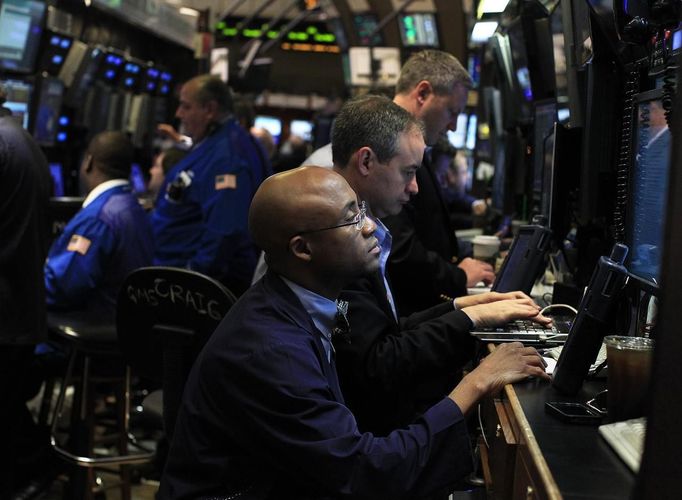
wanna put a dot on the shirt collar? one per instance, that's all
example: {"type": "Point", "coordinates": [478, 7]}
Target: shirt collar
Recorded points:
{"type": "Point", "coordinates": [101, 188]}
{"type": "Point", "coordinates": [321, 310]}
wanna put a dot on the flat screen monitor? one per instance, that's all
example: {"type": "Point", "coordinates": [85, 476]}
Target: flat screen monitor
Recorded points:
{"type": "Point", "coordinates": [302, 128]}
{"type": "Point", "coordinates": [365, 24]}
{"type": "Point", "coordinates": [472, 133]}
{"type": "Point", "coordinates": [21, 24]}
{"type": "Point", "coordinates": [543, 126]}
{"type": "Point", "coordinates": [48, 111]}
{"type": "Point", "coordinates": [57, 179]}
{"type": "Point", "coordinates": [18, 99]}
{"type": "Point", "coordinates": [137, 179]}
{"type": "Point", "coordinates": [271, 124]}
{"type": "Point", "coordinates": [84, 76]}
{"type": "Point", "coordinates": [648, 188]}
{"type": "Point", "coordinates": [418, 30]}
{"type": "Point", "coordinates": [517, 43]}
{"type": "Point", "coordinates": [457, 137]}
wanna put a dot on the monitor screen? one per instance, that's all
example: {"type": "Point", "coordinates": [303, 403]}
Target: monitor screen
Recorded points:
{"type": "Point", "coordinates": [418, 30]}
{"type": "Point", "coordinates": [543, 125]}
{"type": "Point", "coordinates": [648, 188]}
{"type": "Point", "coordinates": [48, 111]}
{"type": "Point", "coordinates": [137, 179]}
{"type": "Point", "coordinates": [20, 29]}
{"type": "Point", "coordinates": [302, 128]}
{"type": "Point", "coordinates": [18, 99]}
{"type": "Point", "coordinates": [457, 137]}
{"type": "Point", "coordinates": [472, 133]}
{"type": "Point", "coordinates": [364, 25]}
{"type": "Point", "coordinates": [271, 124]}
{"type": "Point", "coordinates": [84, 76]}
{"type": "Point", "coordinates": [57, 179]}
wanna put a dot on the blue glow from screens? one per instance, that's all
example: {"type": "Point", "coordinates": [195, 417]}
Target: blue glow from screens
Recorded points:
{"type": "Point", "coordinates": [563, 114]}
{"type": "Point", "coordinates": [61, 137]}
{"type": "Point", "coordinates": [166, 77]}
{"type": "Point", "coordinates": [649, 191]}
{"type": "Point", "coordinates": [64, 121]}
{"type": "Point", "coordinates": [57, 59]}
{"type": "Point", "coordinates": [471, 132]}
{"type": "Point", "coordinates": [677, 39]}
{"type": "Point", "coordinates": [302, 128]}
{"type": "Point", "coordinates": [152, 73]}
{"type": "Point", "coordinates": [55, 40]}
{"type": "Point", "coordinates": [57, 179]}
{"type": "Point", "coordinates": [164, 89]}
{"type": "Point", "coordinates": [132, 68]}
{"type": "Point", "coordinates": [456, 137]}
{"type": "Point", "coordinates": [151, 86]}
{"type": "Point", "coordinates": [109, 74]}
{"type": "Point", "coordinates": [271, 124]}
{"type": "Point", "coordinates": [66, 43]}
{"type": "Point", "coordinates": [129, 82]}
{"type": "Point", "coordinates": [524, 82]}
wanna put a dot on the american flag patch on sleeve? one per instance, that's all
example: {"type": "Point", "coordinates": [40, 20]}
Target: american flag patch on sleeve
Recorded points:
{"type": "Point", "coordinates": [78, 244]}
{"type": "Point", "coordinates": [225, 181]}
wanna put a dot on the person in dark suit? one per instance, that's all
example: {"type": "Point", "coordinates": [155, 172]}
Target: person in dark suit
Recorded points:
{"type": "Point", "coordinates": [24, 195]}
{"type": "Point", "coordinates": [425, 263]}
{"type": "Point", "coordinates": [395, 367]}
{"type": "Point", "coordinates": [262, 413]}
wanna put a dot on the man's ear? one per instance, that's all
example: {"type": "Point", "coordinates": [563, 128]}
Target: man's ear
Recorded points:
{"type": "Point", "coordinates": [88, 164]}
{"type": "Point", "coordinates": [300, 248]}
{"type": "Point", "coordinates": [212, 108]}
{"type": "Point", "coordinates": [364, 160]}
{"type": "Point", "coordinates": [423, 90]}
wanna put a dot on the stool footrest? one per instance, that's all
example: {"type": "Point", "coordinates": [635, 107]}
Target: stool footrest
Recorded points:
{"type": "Point", "coordinates": [133, 458]}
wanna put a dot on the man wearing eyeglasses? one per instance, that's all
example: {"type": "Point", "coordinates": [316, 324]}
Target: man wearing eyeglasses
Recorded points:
{"type": "Point", "coordinates": [394, 367]}
{"type": "Point", "coordinates": [262, 414]}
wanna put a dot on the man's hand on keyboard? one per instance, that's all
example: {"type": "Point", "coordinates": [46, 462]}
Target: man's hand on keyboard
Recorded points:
{"type": "Point", "coordinates": [503, 311]}
{"type": "Point", "coordinates": [487, 298]}
{"type": "Point", "coordinates": [508, 363]}
{"type": "Point", "coordinates": [477, 270]}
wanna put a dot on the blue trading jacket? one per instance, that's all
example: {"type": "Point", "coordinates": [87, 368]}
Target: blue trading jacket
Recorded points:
{"type": "Point", "coordinates": [201, 216]}
{"type": "Point", "coordinates": [98, 248]}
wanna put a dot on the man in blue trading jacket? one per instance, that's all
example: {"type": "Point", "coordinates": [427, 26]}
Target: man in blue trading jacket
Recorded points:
{"type": "Point", "coordinates": [263, 416]}
{"type": "Point", "coordinates": [108, 238]}
{"type": "Point", "coordinates": [200, 220]}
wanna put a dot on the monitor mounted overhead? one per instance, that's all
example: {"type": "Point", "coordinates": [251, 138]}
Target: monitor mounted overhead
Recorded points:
{"type": "Point", "coordinates": [18, 99]}
{"type": "Point", "coordinates": [21, 25]}
{"type": "Point", "coordinates": [418, 30]}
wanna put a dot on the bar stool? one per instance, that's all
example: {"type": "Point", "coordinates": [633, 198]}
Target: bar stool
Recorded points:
{"type": "Point", "coordinates": [95, 358]}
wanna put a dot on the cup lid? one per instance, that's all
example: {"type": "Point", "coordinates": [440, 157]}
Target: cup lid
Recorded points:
{"type": "Point", "coordinates": [630, 343]}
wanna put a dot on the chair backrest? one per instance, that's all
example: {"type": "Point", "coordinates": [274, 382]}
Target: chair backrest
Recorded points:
{"type": "Point", "coordinates": [164, 317]}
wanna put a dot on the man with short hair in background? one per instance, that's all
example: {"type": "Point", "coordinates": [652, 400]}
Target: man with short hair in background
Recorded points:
{"type": "Point", "coordinates": [200, 219]}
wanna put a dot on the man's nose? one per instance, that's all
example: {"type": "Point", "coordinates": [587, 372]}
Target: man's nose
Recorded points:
{"type": "Point", "coordinates": [412, 186]}
{"type": "Point", "coordinates": [369, 227]}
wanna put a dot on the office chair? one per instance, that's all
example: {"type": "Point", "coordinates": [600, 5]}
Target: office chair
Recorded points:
{"type": "Point", "coordinates": [164, 317]}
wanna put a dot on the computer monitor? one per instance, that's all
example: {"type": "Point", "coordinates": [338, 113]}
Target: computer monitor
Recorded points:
{"type": "Point", "coordinates": [18, 99]}
{"type": "Point", "coordinates": [302, 128]}
{"type": "Point", "coordinates": [648, 187]}
{"type": "Point", "coordinates": [137, 180]}
{"type": "Point", "coordinates": [472, 133]}
{"type": "Point", "coordinates": [21, 24]}
{"type": "Point", "coordinates": [84, 76]}
{"type": "Point", "coordinates": [457, 137]}
{"type": "Point", "coordinates": [418, 30]}
{"type": "Point", "coordinates": [48, 110]}
{"type": "Point", "coordinates": [364, 25]}
{"type": "Point", "coordinates": [57, 179]}
{"type": "Point", "coordinates": [543, 132]}
{"type": "Point", "coordinates": [271, 124]}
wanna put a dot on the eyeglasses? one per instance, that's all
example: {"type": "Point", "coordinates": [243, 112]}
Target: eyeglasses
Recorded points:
{"type": "Point", "coordinates": [358, 222]}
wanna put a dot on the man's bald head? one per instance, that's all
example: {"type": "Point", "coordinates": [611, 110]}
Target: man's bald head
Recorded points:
{"type": "Point", "coordinates": [112, 154]}
{"type": "Point", "coordinates": [291, 202]}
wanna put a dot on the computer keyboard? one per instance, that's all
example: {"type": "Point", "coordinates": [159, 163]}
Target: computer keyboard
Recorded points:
{"type": "Point", "coordinates": [627, 440]}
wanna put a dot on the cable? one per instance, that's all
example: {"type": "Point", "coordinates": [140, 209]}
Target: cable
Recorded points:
{"type": "Point", "coordinates": [480, 425]}
{"type": "Point", "coordinates": [558, 306]}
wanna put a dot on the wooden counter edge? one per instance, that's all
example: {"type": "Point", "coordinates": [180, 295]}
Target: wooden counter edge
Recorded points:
{"type": "Point", "coordinates": [546, 477]}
